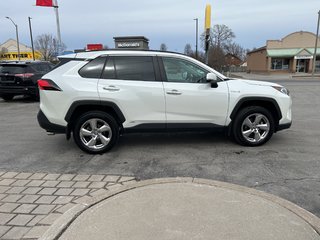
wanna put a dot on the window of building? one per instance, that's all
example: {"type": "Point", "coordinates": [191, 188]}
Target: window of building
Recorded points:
{"type": "Point", "coordinates": [317, 69]}
{"type": "Point", "coordinates": [280, 63]}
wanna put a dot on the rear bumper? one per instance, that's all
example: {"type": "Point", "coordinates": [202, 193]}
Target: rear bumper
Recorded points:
{"type": "Point", "coordinates": [17, 90]}
{"type": "Point", "coordinates": [48, 126]}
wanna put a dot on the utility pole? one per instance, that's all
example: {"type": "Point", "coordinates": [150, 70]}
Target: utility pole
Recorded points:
{"type": "Point", "coordinates": [58, 26]}
{"type": "Point", "coordinates": [33, 56]}
{"type": "Point", "coordinates": [316, 46]}
{"type": "Point", "coordinates": [17, 36]}
{"type": "Point", "coordinates": [196, 19]}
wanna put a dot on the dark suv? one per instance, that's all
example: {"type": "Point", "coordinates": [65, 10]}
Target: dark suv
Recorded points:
{"type": "Point", "coordinates": [20, 77]}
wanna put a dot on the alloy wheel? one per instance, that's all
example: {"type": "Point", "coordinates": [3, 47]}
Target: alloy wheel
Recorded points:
{"type": "Point", "coordinates": [95, 133]}
{"type": "Point", "coordinates": [255, 127]}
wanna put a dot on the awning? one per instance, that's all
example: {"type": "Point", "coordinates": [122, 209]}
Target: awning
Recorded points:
{"type": "Point", "coordinates": [290, 52]}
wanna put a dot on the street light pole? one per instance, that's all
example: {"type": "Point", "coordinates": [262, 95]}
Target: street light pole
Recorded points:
{"type": "Point", "coordinates": [17, 35]}
{"type": "Point", "coordinates": [196, 19]}
{"type": "Point", "coordinates": [33, 56]}
{"type": "Point", "coordinates": [316, 46]}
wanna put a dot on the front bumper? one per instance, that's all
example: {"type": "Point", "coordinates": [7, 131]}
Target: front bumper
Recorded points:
{"type": "Point", "coordinates": [48, 126]}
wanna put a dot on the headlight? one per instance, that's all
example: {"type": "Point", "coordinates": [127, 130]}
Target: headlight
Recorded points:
{"type": "Point", "coordinates": [282, 89]}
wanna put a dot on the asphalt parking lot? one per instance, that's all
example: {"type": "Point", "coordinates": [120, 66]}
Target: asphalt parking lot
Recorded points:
{"type": "Point", "coordinates": [287, 166]}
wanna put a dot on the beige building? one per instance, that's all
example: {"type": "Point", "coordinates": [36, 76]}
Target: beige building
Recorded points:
{"type": "Point", "coordinates": [293, 53]}
{"type": "Point", "coordinates": [9, 51]}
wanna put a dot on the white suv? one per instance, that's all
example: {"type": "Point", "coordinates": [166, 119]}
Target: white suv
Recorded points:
{"type": "Point", "coordinates": [99, 95]}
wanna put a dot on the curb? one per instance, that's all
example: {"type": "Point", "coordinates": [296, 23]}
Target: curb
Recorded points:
{"type": "Point", "coordinates": [62, 223]}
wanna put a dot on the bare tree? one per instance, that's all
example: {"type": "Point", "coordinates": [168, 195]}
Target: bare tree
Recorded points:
{"type": "Point", "coordinates": [220, 36]}
{"type": "Point", "coordinates": [163, 47]}
{"type": "Point", "coordinates": [216, 58]}
{"type": "Point", "coordinates": [237, 50]}
{"type": "Point", "coordinates": [188, 50]}
{"type": "Point", "coordinates": [48, 46]}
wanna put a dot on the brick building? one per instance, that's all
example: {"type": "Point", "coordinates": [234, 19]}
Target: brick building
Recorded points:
{"type": "Point", "coordinates": [293, 53]}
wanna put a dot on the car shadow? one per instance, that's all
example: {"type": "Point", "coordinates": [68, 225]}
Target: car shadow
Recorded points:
{"type": "Point", "coordinates": [20, 99]}
{"type": "Point", "coordinates": [167, 139]}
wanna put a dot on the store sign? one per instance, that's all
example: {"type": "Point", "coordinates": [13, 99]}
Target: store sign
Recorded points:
{"type": "Point", "coordinates": [303, 57]}
{"type": "Point", "coordinates": [128, 45]}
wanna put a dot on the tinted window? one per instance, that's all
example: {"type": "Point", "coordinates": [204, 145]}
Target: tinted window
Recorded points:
{"type": "Point", "coordinates": [39, 67]}
{"type": "Point", "coordinates": [46, 67]}
{"type": "Point", "coordinates": [109, 72]}
{"type": "Point", "coordinates": [134, 68]}
{"type": "Point", "coordinates": [12, 69]}
{"type": "Point", "coordinates": [178, 70]}
{"type": "Point", "coordinates": [93, 69]}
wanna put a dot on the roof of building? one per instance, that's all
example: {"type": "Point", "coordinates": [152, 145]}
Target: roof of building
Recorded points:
{"type": "Point", "coordinates": [132, 38]}
{"type": "Point", "coordinates": [11, 44]}
{"type": "Point", "coordinates": [258, 49]}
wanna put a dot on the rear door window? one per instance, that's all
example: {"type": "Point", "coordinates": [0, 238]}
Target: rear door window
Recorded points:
{"type": "Point", "coordinates": [137, 68]}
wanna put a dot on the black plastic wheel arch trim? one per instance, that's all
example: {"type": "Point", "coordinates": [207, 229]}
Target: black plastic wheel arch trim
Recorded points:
{"type": "Point", "coordinates": [263, 99]}
{"type": "Point", "coordinates": [77, 104]}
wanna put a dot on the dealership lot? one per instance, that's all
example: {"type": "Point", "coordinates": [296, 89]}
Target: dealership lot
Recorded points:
{"type": "Point", "coordinates": [287, 166]}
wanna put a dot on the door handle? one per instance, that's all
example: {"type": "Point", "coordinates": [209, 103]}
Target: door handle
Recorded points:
{"type": "Point", "coordinates": [174, 92]}
{"type": "Point", "coordinates": [111, 88]}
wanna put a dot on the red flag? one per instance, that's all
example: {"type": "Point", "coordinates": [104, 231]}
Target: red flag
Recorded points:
{"type": "Point", "coordinates": [44, 3]}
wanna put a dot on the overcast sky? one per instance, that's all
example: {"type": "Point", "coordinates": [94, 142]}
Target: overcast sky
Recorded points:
{"type": "Point", "coordinates": [163, 21]}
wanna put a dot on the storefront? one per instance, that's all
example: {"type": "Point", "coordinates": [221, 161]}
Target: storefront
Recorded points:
{"type": "Point", "coordinates": [294, 53]}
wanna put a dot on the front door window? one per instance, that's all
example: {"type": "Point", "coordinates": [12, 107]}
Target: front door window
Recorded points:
{"type": "Point", "coordinates": [181, 71]}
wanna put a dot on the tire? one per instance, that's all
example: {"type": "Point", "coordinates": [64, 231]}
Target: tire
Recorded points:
{"type": "Point", "coordinates": [253, 126]}
{"type": "Point", "coordinates": [96, 132]}
{"type": "Point", "coordinates": [7, 97]}
{"type": "Point", "coordinates": [36, 96]}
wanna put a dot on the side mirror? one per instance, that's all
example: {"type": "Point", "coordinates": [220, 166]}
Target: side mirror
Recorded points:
{"type": "Point", "coordinates": [212, 78]}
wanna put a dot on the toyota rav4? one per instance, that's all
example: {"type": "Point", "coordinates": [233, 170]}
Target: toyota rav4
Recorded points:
{"type": "Point", "coordinates": [97, 96]}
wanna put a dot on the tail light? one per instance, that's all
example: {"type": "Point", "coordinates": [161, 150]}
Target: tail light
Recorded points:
{"type": "Point", "coordinates": [24, 75]}
{"type": "Point", "coordinates": [49, 85]}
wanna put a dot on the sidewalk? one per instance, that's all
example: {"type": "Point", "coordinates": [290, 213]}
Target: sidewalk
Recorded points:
{"type": "Point", "coordinates": [266, 77]}
{"type": "Point", "coordinates": [31, 202]}
{"type": "Point", "coordinates": [185, 208]}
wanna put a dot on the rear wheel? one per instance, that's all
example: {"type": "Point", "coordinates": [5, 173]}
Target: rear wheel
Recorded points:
{"type": "Point", "coordinates": [253, 126]}
{"type": "Point", "coordinates": [7, 97]}
{"type": "Point", "coordinates": [96, 132]}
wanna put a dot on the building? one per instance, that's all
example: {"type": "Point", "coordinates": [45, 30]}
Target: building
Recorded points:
{"type": "Point", "coordinates": [293, 53]}
{"type": "Point", "coordinates": [9, 51]}
{"type": "Point", "coordinates": [134, 42]}
{"type": "Point", "coordinates": [232, 60]}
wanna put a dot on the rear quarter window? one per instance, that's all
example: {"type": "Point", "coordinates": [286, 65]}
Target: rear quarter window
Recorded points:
{"type": "Point", "coordinates": [93, 69]}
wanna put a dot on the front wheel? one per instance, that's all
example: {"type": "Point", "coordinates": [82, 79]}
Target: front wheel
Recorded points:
{"type": "Point", "coordinates": [253, 126]}
{"type": "Point", "coordinates": [96, 132]}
